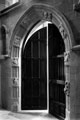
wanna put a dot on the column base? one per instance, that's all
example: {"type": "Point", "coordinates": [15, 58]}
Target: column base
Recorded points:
{"type": "Point", "coordinates": [67, 115]}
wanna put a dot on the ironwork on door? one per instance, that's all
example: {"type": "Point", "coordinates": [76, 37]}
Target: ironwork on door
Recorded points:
{"type": "Point", "coordinates": [34, 73]}
{"type": "Point", "coordinates": [56, 73]}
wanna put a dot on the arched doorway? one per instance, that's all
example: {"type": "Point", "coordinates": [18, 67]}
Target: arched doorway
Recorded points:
{"type": "Point", "coordinates": [32, 17]}
{"type": "Point", "coordinates": [43, 79]}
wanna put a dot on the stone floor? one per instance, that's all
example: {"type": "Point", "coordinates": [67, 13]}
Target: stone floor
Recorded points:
{"type": "Point", "coordinates": [7, 115]}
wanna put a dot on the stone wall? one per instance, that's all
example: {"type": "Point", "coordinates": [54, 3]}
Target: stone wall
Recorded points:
{"type": "Point", "coordinates": [2, 4]}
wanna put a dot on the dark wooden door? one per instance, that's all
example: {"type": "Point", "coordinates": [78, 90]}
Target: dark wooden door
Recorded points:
{"type": "Point", "coordinates": [56, 73]}
{"type": "Point", "coordinates": [34, 73]}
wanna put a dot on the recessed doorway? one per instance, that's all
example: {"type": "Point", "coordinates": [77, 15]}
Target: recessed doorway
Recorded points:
{"type": "Point", "coordinates": [42, 71]}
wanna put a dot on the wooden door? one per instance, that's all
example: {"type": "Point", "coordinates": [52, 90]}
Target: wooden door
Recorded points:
{"type": "Point", "coordinates": [56, 73]}
{"type": "Point", "coordinates": [34, 73]}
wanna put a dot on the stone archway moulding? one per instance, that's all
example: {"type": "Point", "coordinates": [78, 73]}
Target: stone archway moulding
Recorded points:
{"type": "Point", "coordinates": [35, 14]}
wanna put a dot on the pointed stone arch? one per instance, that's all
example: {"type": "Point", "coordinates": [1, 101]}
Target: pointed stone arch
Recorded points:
{"type": "Point", "coordinates": [35, 14]}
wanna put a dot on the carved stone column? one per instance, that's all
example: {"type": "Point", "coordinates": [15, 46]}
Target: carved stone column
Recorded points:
{"type": "Point", "coordinates": [67, 83]}
{"type": "Point", "coordinates": [15, 75]}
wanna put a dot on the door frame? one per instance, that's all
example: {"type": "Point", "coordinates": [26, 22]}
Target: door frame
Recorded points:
{"type": "Point", "coordinates": [44, 24]}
